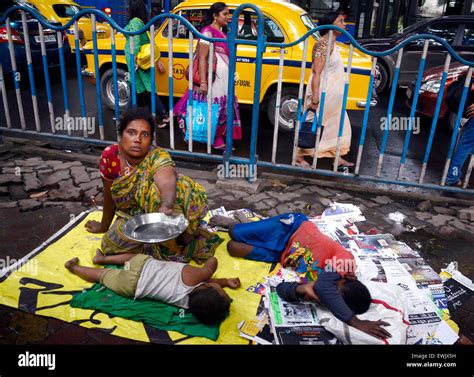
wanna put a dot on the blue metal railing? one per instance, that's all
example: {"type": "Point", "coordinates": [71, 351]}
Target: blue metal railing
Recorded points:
{"type": "Point", "coordinates": [261, 44]}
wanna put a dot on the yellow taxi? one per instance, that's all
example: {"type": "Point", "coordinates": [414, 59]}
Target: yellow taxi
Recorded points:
{"type": "Point", "coordinates": [283, 22]}
{"type": "Point", "coordinates": [62, 11]}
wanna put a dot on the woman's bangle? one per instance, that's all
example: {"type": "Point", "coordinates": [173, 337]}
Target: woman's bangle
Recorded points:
{"type": "Point", "coordinates": [203, 82]}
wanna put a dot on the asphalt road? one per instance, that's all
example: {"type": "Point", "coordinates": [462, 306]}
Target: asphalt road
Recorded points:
{"type": "Point", "coordinates": [265, 134]}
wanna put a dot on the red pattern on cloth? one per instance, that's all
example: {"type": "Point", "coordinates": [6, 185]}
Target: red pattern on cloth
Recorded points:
{"type": "Point", "coordinates": [109, 166]}
{"type": "Point", "coordinates": [325, 250]}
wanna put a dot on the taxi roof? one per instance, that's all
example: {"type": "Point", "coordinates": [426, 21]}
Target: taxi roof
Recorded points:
{"type": "Point", "coordinates": [51, 2]}
{"type": "Point", "coordinates": [276, 5]}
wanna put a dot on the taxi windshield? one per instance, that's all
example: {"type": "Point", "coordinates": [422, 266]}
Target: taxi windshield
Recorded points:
{"type": "Point", "coordinates": [67, 10]}
{"type": "Point", "coordinates": [310, 24]}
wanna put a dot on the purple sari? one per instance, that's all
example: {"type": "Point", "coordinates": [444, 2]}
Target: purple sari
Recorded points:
{"type": "Point", "coordinates": [219, 92]}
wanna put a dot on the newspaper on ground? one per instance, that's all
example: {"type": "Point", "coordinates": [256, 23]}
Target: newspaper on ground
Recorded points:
{"type": "Point", "coordinates": [257, 330]}
{"type": "Point", "coordinates": [458, 288]}
{"type": "Point", "coordinates": [380, 258]}
{"type": "Point", "coordinates": [342, 212]}
{"type": "Point", "coordinates": [295, 323]}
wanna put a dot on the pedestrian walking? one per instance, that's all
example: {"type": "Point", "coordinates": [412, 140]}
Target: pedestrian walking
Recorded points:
{"type": "Point", "coordinates": [334, 95]}
{"type": "Point", "coordinates": [465, 145]}
{"type": "Point", "coordinates": [214, 25]}
{"type": "Point", "coordinates": [138, 17]}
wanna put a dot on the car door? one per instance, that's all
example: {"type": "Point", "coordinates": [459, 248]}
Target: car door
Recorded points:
{"type": "Point", "coordinates": [180, 51]}
{"type": "Point", "coordinates": [246, 54]}
{"type": "Point", "coordinates": [412, 53]}
{"type": "Point", "coordinates": [245, 62]}
{"type": "Point", "coordinates": [465, 47]}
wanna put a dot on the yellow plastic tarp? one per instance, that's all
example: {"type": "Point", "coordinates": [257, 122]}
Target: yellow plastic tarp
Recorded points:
{"type": "Point", "coordinates": [44, 287]}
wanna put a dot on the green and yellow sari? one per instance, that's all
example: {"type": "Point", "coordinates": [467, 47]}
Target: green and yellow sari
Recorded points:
{"type": "Point", "coordinates": [137, 193]}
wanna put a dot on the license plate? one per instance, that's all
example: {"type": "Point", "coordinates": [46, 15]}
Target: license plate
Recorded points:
{"type": "Point", "coordinates": [47, 38]}
{"type": "Point", "coordinates": [409, 92]}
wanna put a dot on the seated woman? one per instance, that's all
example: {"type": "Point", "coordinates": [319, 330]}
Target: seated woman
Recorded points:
{"type": "Point", "coordinates": [140, 178]}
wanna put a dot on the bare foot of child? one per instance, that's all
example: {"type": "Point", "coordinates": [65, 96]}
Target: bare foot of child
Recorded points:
{"type": "Point", "coordinates": [222, 221]}
{"type": "Point", "coordinates": [71, 263]}
{"type": "Point", "coordinates": [98, 258]}
{"type": "Point", "coordinates": [241, 218]}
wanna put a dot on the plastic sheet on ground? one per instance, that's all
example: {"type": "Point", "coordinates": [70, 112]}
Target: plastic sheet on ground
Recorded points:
{"type": "Point", "coordinates": [39, 284]}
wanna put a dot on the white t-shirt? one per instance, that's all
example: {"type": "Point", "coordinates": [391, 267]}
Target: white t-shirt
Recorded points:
{"type": "Point", "coordinates": [162, 281]}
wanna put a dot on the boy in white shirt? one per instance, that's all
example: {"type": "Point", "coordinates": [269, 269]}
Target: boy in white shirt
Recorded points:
{"type": "Point", "coordinates": [175, 283]}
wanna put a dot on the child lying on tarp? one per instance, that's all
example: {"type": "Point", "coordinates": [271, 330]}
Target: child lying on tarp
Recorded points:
{"type": "Point", "coordinates": [296, 242]}
{"type": "Point", "coordinates": [175, 283]}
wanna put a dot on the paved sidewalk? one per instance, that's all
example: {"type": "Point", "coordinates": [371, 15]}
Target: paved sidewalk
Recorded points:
{"type": "Point", "coordinates": [38, 196]}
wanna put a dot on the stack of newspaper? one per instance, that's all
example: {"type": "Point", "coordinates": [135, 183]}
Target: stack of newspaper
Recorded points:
{"type": "Point", "coordinates": [295, 323]}
{"type": "Point", "coordinates": [380, 258]}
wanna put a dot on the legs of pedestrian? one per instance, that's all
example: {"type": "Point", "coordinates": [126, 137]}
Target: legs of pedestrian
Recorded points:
{"type": "Point", "coordinates": [464, 149]}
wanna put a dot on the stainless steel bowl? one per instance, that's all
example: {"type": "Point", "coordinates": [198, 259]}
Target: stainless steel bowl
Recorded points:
{"type": "Point", "coordinates": [154, 227]}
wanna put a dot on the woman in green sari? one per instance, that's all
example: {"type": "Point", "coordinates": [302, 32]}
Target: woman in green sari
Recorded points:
{"type": "Point", "coordinates": [140, 178]}
{"type": "Point", "coordinates": [138, 16]}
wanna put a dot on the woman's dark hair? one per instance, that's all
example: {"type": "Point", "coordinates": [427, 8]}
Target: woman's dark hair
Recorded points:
{"type": "Point", "coordinates": [214, 10]}
{"type": "Point", "coordinates": [134, 114]}
{"type": "Point", "coordinates": [137, 9]}
{"type": "Point", "coordinates": [328, 19]}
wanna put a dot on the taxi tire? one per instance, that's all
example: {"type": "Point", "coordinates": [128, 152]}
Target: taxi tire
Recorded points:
{"type": "Point", "coordinates": [287, 93]}
{"type": "Point", "coordinates": [105, 78]}
{"type": "Point", "coordinates": [384, 78]}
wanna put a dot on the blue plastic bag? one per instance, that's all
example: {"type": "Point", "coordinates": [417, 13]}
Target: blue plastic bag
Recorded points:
{"type": "Point", "coordinates": [200, 121]}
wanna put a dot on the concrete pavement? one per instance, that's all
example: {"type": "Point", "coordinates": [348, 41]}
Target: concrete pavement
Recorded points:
{"type": "Point", "coordinates": [441, 229]}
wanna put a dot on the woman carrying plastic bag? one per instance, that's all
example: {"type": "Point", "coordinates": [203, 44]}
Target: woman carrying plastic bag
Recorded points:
{"type": "Point", "coordinates": [214, 26]}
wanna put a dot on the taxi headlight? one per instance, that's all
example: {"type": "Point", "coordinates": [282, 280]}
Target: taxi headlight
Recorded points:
{"type": "Point", "coordinates": [431, 86]}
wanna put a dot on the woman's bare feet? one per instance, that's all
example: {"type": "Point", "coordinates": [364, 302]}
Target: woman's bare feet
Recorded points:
{"type": "Point", "coordinates": [71, 263]}
{"type": "Point", "coordinates": [98, 258]}
{"type": "Point", "coordinates": [345, 163]}
{"type": "Point", "coordinates": [300, 161]}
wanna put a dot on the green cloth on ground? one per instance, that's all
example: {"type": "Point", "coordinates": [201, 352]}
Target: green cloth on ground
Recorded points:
{"type": "Point", "coordinates": [154, 313]}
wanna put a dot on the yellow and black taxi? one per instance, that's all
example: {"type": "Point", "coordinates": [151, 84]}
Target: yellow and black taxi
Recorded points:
{"type": "Point", "coordinates": [62, 11]}
{"type": "Point", "coordinates": [283, 23]}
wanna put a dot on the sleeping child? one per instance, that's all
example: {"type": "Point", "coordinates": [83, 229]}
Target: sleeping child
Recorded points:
{"type": "Point", "coordinates": [175, 283]}
{"type": "Point", "coordinates": [296, 242]}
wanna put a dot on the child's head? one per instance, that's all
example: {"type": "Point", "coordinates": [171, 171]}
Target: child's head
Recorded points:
{"type": "Point", "coordinates": [355, 294]}
{"type": "Point", "coordinates": [209, 303]}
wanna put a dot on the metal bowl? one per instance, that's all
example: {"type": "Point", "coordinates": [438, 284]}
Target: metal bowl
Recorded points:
{"type": "Point", "coordinates": [154, 227]}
